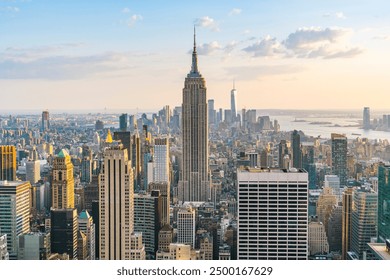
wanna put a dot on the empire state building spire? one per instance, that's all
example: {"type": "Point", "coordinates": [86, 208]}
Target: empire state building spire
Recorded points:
{"type": "Point", "coordinates": [194, 66]}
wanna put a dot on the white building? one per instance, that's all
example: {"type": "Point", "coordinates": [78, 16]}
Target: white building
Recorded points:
{"type": "Point", "coordinates": [161, 160]}
{"type": "Point", "coordinates": [272, 214]}
{"type": "Point", "coordinates": [33, 171]}
{"type": "Point", "coordinates": [186, 226]}
{"type": "Point", "coordinates": [15, 198]}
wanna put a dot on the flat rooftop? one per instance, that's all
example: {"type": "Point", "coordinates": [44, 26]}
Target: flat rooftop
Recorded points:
{"type": "Point", "coordinates": [11, 183]}
{"type": "Point", "coordinates": [270, 170]}
{"type": "Point", "coordinates": [380, 250]}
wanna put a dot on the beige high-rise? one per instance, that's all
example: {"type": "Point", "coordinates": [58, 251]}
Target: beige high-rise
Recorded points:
{"type": "Point", "coordinates": [326, 201]}
{"type": "Point", "coordinates": [346, 221]}
{"type": "Point", "coordinates": [116, 207]}
{"type": "Point", "coordinates": [63, 182]}
{"type": "Point", "coordinates": [194, 184]}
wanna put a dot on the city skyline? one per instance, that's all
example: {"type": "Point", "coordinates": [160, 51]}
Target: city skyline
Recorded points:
{"type": "Point", "coordinates": [122, 55]}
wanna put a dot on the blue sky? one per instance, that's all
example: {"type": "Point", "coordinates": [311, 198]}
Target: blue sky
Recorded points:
{"type": "Point", "coordinates": [124, 54]}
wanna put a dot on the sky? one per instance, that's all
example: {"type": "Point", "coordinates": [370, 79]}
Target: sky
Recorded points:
{"type": "Point", "coordinates": [134, 55]}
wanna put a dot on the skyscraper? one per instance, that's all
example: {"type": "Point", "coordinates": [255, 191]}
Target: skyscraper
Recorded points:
{"type": "Point", "coordinates": [123, 122]}
{"type": "Point", "coordinates": [116, 195]}
{"type": "Point", "coordinates": [339, 157]}
{"type": "Point", "coordinates": [33, 169]}
{"type": "Point", "coordinates": [87, 226]}
{"type": "Point", "coordinates": [15, 201]}
{"type": "Point", "coordinates": [147, 219]}
{"type": "Point", "coordinates": [296, 150]}
{"type": "Point", "coordinates": [62, 182]}
{"type": "Point", "coordinates": [34, 246]}
{"type": "Point", "coordinates": [233, 103]}
{"type": "Point", "coordinates": [363, 220]}
{"type": "Point", "coordinates": [366, 118]}
{"type": "Point", "coordinates": [165, 193]}
{"type": "Point", "coordinates": [125, 138]}
{"type": "Point", "coordinates": [64, 228]}
{"type": "Point", "coordinates": [186, 226]}
{"type": "Point", "coordinates": [212, 112]}
{"type": "Point", "coordinates": [194, 184]}
{"type": "Point", "coordinates": [7, 163]}
{"type": "Point", "coordinates": [383, 203]}
{"type": "Point", "coordinates": [346, 222]}
{"type": "Point", "coordinates": [45, 121]}
{"type": "Point", "coordinates": [161, 160]}
{"type": "Point", "coordinates": [272, 214]}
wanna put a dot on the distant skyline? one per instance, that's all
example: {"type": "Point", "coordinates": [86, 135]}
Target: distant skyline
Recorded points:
{"type": "Point", "coordinates": [122, 55]}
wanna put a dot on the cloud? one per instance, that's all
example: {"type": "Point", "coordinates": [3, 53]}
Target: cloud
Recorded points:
{"type": "Point", "coordinates": [208, 48]}
{"type": "Point", "coordinates": [125, 10]}
{"type": "Point", "coordinates": [133, 20]}
{"type": "Point", "coordinates": [381, 37]}
{"type": "Point", "coordinates": [20, 64]}
{"type": "Point", "coordinates": [305, 37]}
{"type": "Point", "coordinates": [230, 46]}
{"type": "Point", "coordinates": [235, 11]}
{"type": "Point", "coordinates": [266, 47]}
{"type": "Point", "coordinates": [316, 42]}
{"type": "Point", "coordinates": [207, 22]}
{"type": "Point", "coordinates": [340, 15]}
{"type": "Point", "coordinates": [313, 42]}
{"type": "Point", "coordinates": [9, 9]}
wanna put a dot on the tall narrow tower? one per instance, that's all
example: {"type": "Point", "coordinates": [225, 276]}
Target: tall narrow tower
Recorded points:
{"type": "Point", "coordinates": [233, 103]}
{"type": "Point", "coordinates": [194, 184]}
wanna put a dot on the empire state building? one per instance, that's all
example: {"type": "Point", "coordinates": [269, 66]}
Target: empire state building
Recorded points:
{"type": "Point", "coordinates": [194, 184]}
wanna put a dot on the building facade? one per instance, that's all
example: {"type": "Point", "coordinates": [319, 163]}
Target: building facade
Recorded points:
{"type": "Point", "coordinates": [272, 214]}
{"type": "Point", "coordinates": [15, 203]}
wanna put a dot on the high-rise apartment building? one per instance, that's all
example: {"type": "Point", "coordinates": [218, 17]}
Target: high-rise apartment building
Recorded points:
{"type": "Point", "coordinates": [15, 203]}
{"type": "Point", "coordinates": [116, 207]}
{"type": "Point", "coordinates": [123, 122]}
{"type": "Point", "coordinates": [147, 219]}
{"type": "Point", "coordinates": [194, 184]}
{"type": "Point", "coordinates": [366, 118]}
{"type": "Point", "coordinates": [33, 171]}
{"type": "Point", "coordinates": [62, 186]}
{"type": "Point", "coordinates": [64, 228]}
{"type": "Point", "coordinates": [164, 189]}
{"type": "Point", "coordinates": [7, 163]}
{"type": "Point", "coordinates": [346, 222]}
{"type": "Point", "coordinates": [161, 160]}
{"type": "Point", "coordinates": [296, 150]}
{"type": "Point", "coordinates": [383, 203]}
{"type": "Point", "coordinates": [125, 138]}
{"type": "Point", "coordinates": [186, 226]}
{"type": "Point", "coordinates": [363, 220]}
{"type": "Point", "coordinates": [212, 112]}
{"type": "Point", "coordinates": [339, 157]}
{"type": "Point", "coordinates": [272, 214]}
{"type": "Point", "coordinates": [45, 125]}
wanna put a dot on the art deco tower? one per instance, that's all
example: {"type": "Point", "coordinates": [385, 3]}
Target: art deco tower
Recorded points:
{"type": "Point", "coordinates": [194, 184]}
